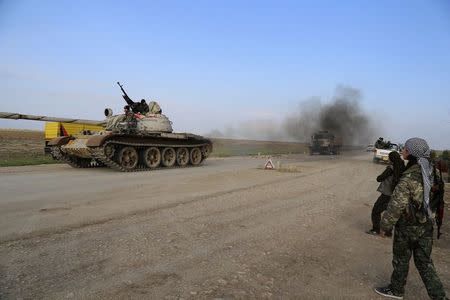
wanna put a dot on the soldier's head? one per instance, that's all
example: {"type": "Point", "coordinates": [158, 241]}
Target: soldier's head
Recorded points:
{"type": "Point", "coordinates": [416, 147]}
{"type": "Point", "coordinates": [126, 108]}
{"type": "Point", "coordinates": [143, 101]}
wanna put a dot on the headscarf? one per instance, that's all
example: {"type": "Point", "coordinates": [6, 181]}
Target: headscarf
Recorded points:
{"type": "Point", "coordinates": [418, 148]}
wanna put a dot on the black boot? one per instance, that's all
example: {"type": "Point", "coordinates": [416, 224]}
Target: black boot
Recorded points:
{"type": "Point", "coordinates": [387, 292]}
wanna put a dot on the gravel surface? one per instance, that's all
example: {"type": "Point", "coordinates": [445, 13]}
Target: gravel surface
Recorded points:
{"type": "Point", "coordinates": [225, 230]}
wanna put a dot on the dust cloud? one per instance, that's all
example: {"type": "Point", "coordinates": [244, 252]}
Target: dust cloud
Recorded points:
{"type": "Point", "coordinates": [265, 130]}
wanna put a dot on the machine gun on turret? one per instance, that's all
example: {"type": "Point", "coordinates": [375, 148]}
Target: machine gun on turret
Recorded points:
{"type": "Point", "coordinates": [125, 95]}
{"type": "Point", "coordinates": [137, 107]}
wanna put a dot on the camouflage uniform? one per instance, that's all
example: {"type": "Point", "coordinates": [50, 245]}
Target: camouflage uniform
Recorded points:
{"type": "Point", "coordinates": [154, 107]}
{"type": "Point", "coordinates": [413, 234]}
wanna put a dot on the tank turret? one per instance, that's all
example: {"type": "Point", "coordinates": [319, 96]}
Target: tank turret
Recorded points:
{"type": "Point", "coordinates": [131, 122]}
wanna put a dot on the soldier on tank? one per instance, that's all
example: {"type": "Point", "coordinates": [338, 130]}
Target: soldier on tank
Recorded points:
{"type": "Point", "coordinates": [154, 107]}
{"type": "Point", "coordinates": [128, 113]}
{"type": "Point", "coordinates": [142, 107]}
{"type": "Point", "coordinates": [137, 107]}
{"type": "Point", "coordinates": [410, 211]}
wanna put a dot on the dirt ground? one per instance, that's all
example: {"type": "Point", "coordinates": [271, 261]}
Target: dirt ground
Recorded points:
{"type": "Point", "coordinates": [226, 230]}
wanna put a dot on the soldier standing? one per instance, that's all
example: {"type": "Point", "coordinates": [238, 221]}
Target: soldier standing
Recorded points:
{"type": "Point", "coordinates": [389, 179]}
{"type": "Point", "coordinates": [410, 212]}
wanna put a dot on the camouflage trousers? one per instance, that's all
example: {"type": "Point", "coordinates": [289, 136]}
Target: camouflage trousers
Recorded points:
{"type": "Point", "coordinates": [378, 208]}
{"type": "Point", "coordinates": [416, 241]}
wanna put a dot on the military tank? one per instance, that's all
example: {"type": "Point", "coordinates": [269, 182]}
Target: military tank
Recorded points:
{"type": "Point", "coordinates": [140, 139]}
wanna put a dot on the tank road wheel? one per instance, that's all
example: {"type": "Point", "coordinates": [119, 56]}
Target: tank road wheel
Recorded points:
{"type": "Point", "coordinates": [196, 156]}
{"type": "Point", "coordinates": [182, 156]}
{"type": "Point", "coordinates": [206, 150]}
{"type": "Point", "coordinates": [152, 157]}
{"type": "Point", "coordinates": [168, 157]}
{"type": "Point", "coordinates": [128, 158]}
{"type": "Point", "coordinates": [109, 151]}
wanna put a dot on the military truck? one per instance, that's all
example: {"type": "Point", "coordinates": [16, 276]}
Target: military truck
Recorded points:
{"type": "Point", "coordinates": [325, 142]}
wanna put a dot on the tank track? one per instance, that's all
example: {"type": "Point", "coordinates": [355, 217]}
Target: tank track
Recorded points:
{"type": "Point", "coordinates": [99, 154]}
{"type": "Point", "coordinates": [74, 162]}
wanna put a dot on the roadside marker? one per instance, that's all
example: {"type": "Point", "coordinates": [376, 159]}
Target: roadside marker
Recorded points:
{"type": "Point", "coordinates": [269, 165]}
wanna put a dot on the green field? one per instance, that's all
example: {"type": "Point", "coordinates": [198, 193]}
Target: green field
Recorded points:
{"type": "Point", "coordinates": [229, 147]}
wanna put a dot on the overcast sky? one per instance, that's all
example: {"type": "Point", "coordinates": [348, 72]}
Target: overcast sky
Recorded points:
{"type": "Point", "coordinates": [222, 64]}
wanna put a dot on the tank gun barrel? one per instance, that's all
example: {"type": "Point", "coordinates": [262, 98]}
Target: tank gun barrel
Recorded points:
{"type": "Point", "coordinates": [17, 116]}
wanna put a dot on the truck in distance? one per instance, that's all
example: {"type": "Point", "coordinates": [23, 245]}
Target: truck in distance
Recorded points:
{"type": "Point", "coordinates": [324, 142]}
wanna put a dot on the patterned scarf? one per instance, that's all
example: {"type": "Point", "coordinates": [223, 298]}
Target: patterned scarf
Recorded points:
{"type": "Point", "coordinates": [419, 148]}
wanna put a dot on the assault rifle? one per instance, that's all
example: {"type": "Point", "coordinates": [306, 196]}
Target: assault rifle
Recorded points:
{"type": "Point", "coordinates": [438, 200]}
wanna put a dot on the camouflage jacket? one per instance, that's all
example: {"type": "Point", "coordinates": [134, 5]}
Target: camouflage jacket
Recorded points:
{"type": "Point", "coordinates": [406, 204]}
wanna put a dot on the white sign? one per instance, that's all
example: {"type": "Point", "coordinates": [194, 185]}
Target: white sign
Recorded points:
{"type": "Point", "coordinates": [269, 165]}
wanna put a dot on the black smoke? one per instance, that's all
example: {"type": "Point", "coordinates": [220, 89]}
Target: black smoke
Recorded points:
{"type": "Point", "coordinates": [343, 116]}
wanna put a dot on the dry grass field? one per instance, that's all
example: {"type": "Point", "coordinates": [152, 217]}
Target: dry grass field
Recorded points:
{"type": "Point", "coordinates": [229, 147]}
{"type": "Point", "coordinates": [26, 147]}
{"type": "Point", "coordinates": [22, 147]}
{"type": "Point", "coordinates": [17, 141]}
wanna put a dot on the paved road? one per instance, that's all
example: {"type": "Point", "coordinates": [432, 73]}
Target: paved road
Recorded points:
{"type": "Point", "coordinates": [225, 230]}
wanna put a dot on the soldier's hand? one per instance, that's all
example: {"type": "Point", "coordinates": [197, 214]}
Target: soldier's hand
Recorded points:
{"type": "Point", "coordinates": [382, 234]}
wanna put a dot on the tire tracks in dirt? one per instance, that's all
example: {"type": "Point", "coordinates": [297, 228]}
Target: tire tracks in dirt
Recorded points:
{"type": "Point", "coordinates": [45, 233]}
